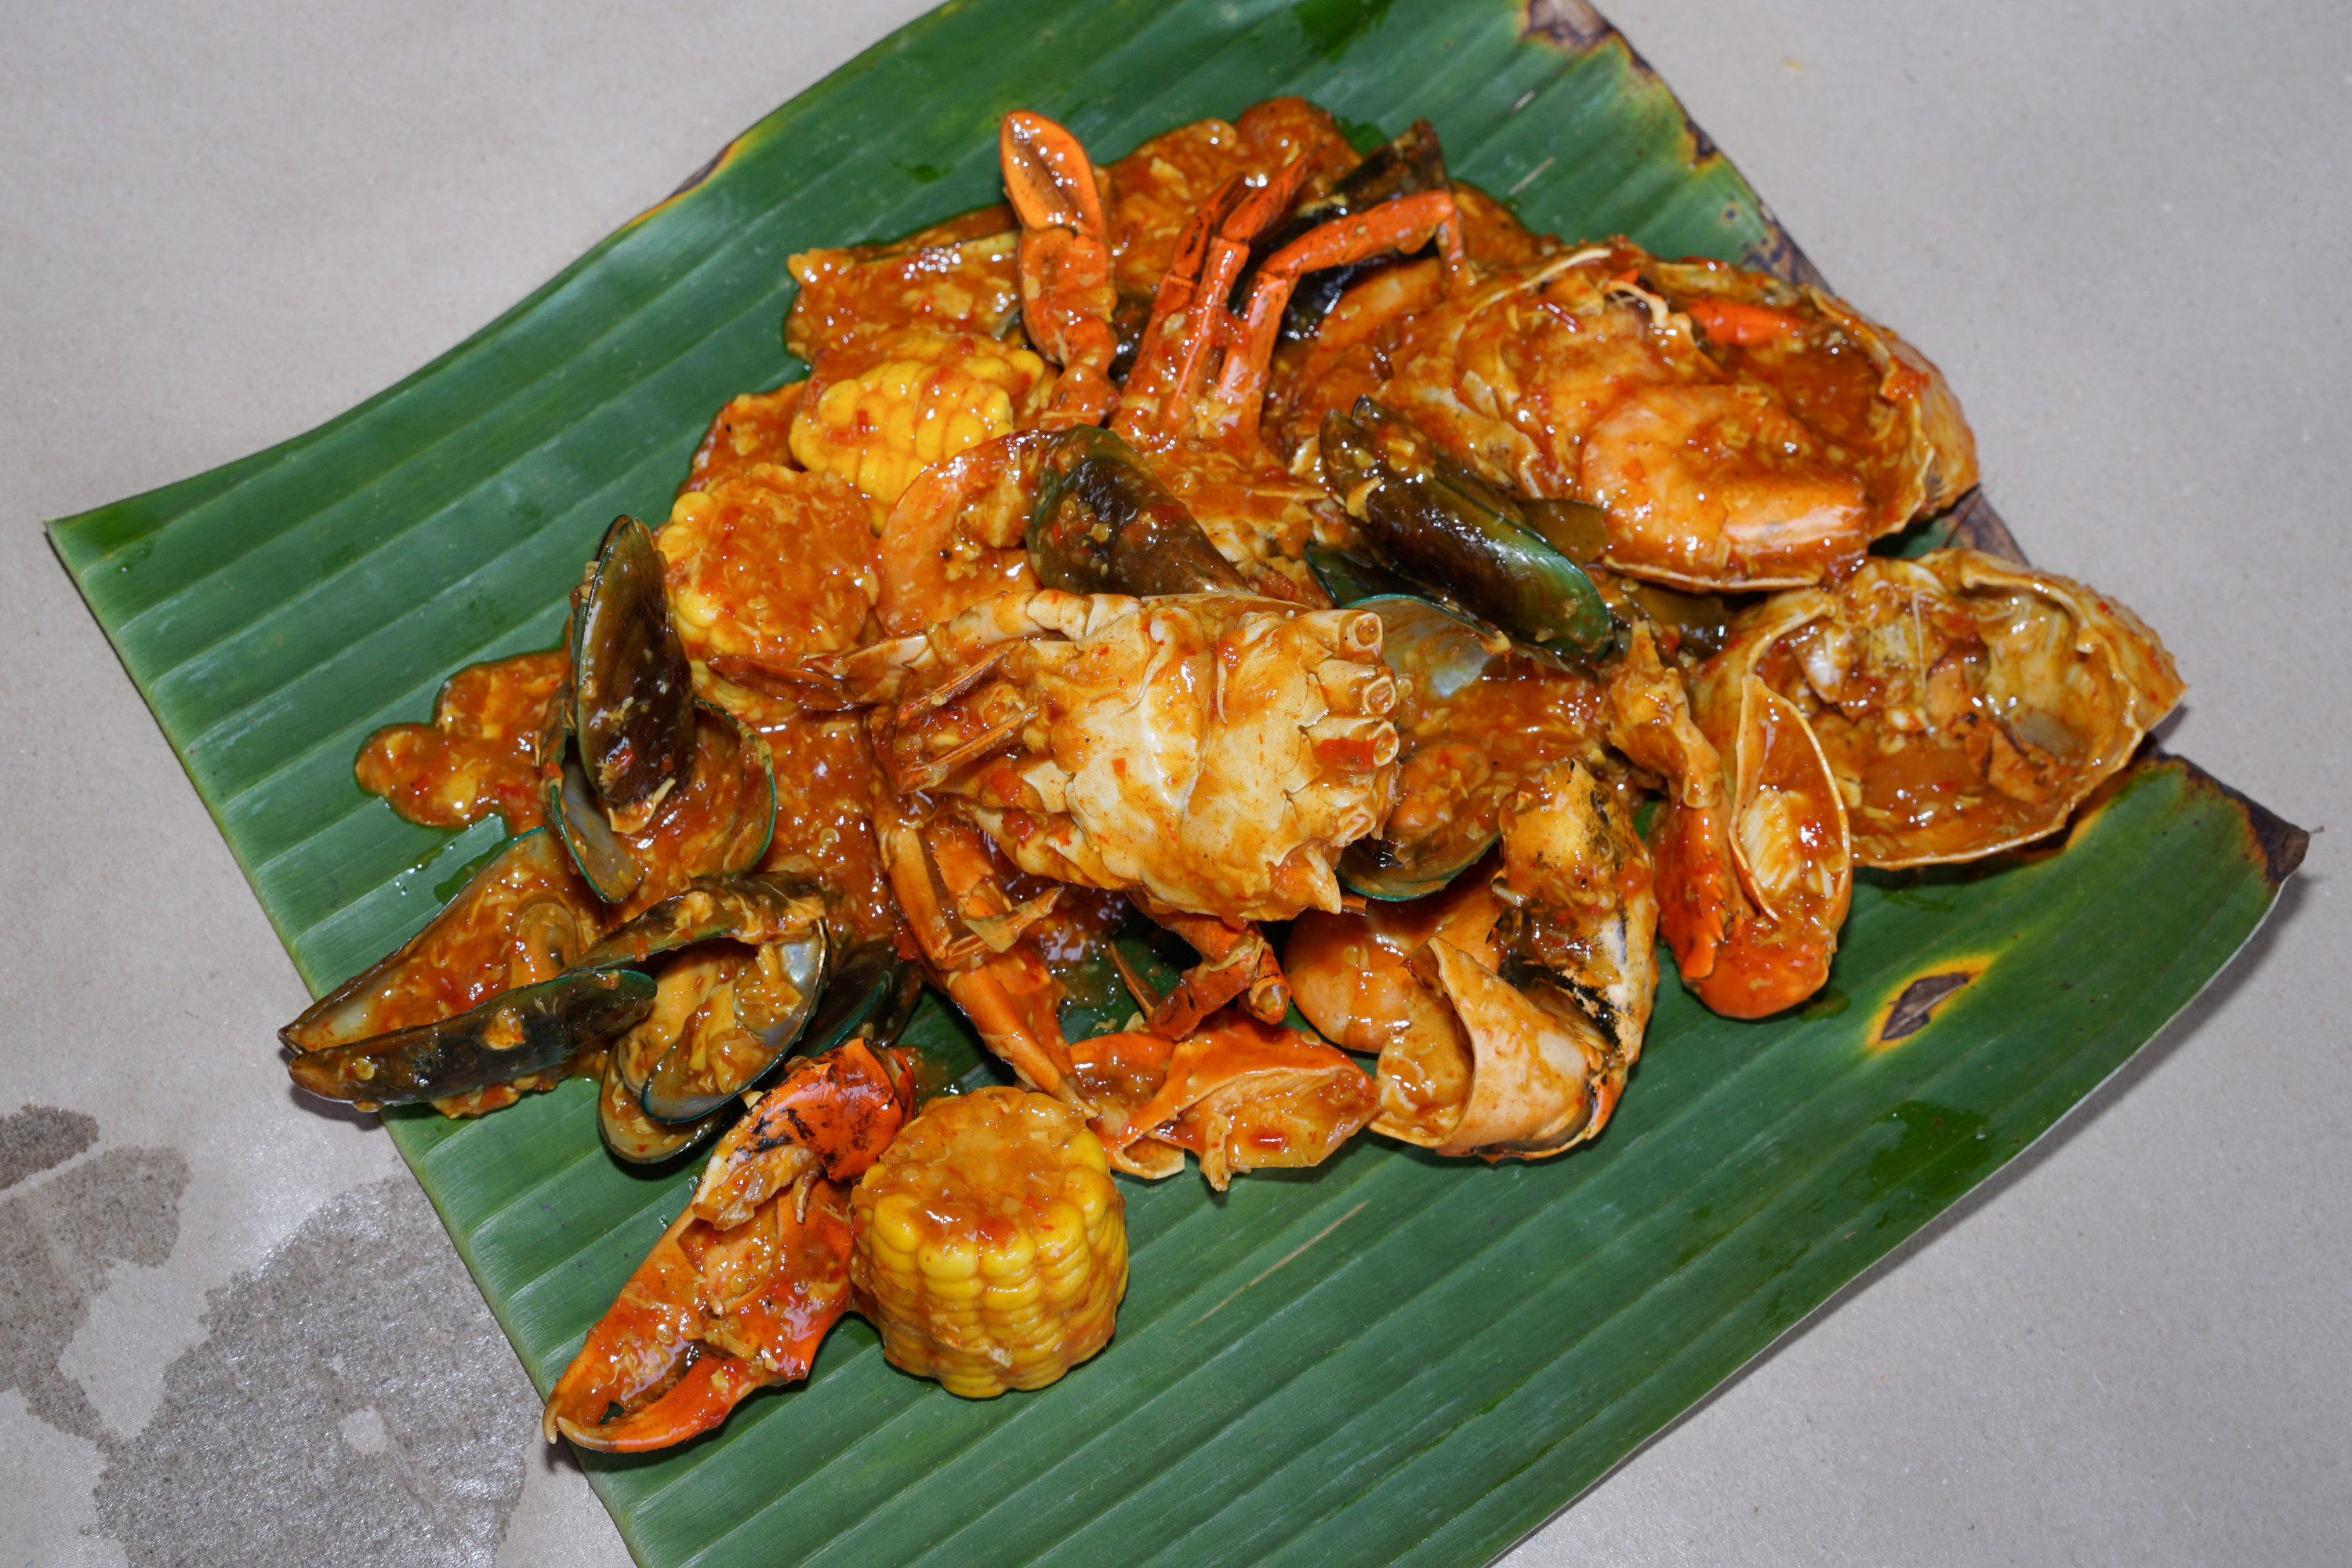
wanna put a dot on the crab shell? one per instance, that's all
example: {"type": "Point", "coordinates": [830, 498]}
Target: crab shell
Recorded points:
{"type": "Point", "coordinates": [1215, 751]}
{"type": "Point", "coordinates": [1965, 704]}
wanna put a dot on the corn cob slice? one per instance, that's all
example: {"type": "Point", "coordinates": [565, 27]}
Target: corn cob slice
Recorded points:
{"type": "Point", "coordinates": [880, 412]}
{"type": "Point", "coordinates": [991, 1243]}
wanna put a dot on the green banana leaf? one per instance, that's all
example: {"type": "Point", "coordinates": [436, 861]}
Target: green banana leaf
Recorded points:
{"type": "Point", "coordinates": [1391, 1358]}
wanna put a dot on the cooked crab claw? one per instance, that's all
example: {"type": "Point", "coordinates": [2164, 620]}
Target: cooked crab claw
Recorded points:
{"type": "Point", "coordinates": [1066, 296]}
{"type": "Point", "coordinates": [529, 1030]}
{"type": "Point", "coordinates": [1755, 865]}
{"type": "Point", "coordinates": [724, 1305]}
{"type": "Point", "coordinates": [1411, 165]}
{"type": "Point", "coordinates": [1433, 520]}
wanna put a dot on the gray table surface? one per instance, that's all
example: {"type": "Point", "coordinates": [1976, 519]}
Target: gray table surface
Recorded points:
{"type": "Point", "coordinates": [230, 1328]}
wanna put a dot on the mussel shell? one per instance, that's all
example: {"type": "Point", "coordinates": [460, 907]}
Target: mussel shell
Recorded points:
{"type": "Point", "coordinates": [528, 874]}
{"type": "Point", "coordinates": [1580, 531]}
{"type": "Point", "coordinates": [1351, 578]}
{"type": "Point", "coordinates": [1395, 873]}
{"type": "Point", "coordinates": [626, 1130]}
{"type": "Point", "coordinates": [1440, 653]}
{"type": "Point", "coordinates": [1104, 524]}
{"type": "Point", "coordinates": [569, 806]}
{"type": "Point", "coordinates": [749, 909]}
{"type": "Point", "coordinates": [1435, 523]}
{"type": "Point", "coordinates": [633, 690]}
{"type": "Point", "coordinates": [735, 758]}
{"type": "Point", "coordinates": [529, 1029]}
{"type": "Point", "coordinates": [864, 996]}
{"type": "Point", "coordinates": [684, 1087]}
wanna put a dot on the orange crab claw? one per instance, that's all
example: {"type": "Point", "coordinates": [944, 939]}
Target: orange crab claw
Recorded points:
{"type": "Point", "coordinates": [1236, 960]}
{"type": "Point", "coordinates": [710, 1316]}
{"type": "Point", "coordinates": [1066, 296]}
{"type": "Point", "coordinates": [1788, 842]}
{"type": "Point", "coordinates": [1403, 225]}
{"type": "Point", "coordinates": [1189, 319]}
{"type": "Point", "coordinates": [713, 1384]}
{"type": "Point", "coordinates": [740, 1289]}
{"type": "Point", "coordinates": [1755, 872]}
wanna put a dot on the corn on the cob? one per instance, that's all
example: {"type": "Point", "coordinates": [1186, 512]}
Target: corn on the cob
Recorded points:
{"type": "Point", "coordinates": [991, 1243]}
{"type": "Point", "coordinates": [920, 396]}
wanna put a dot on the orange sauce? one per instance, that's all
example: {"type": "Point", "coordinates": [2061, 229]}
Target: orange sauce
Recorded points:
{"type": "Point", "coordinates": [824, 784]}
{"type": "Point", "coordinates": [958, 274]}
{"type": "Point", "coordinates": [1464, 756]}
{"type": "Point", "coordinates": [771, 564]}
{"type": "Point", "coordinates": [475, 757]}
{"type": "Point", "coordinates": [753, 428]}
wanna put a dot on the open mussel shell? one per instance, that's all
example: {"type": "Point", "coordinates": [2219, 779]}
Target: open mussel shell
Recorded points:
{"type": "Point", "coordinates": [1351, 578]}
{"type": "Point", "coordinates": [526, 895]}
{"type": "Point", "coordinates": [730, 791]}
{"type": "Point", "coordinates": [754, 908]}
{"type": "Point", "coordinates": [529, 1029]}
{"type": "Point", "coordinates": [1104, 524]}
{"type": "Point", "coordinates": [569, 806]}
{"type": "Point", "coordinates": [733, 1036]}
{"type": "Point", "coordinates": [1434, 523]}
{"type": "Point", "coordinates": [625, 1128]}
{"type": "Point", "coordinates": [871, 993]}
{"type": "Point", "coordinates": [736, 1037]}
{"type": "Point", "coordinates": [632, 688]}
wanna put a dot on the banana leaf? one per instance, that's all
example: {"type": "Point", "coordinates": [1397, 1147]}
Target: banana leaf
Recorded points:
{"type": "Point", "coordinates": [1391, 1358]}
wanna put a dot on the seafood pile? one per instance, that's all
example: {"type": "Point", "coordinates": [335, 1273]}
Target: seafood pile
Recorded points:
{"type": "Point", "coordinates": [1252, 541]}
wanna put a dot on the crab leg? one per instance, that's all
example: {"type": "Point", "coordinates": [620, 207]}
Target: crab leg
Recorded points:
{"type": "Point", "coordinates": [1066, 296]}
{"type": "Point", "coordinates": [1235, 961]}
{"type": "Point", "coordinates": [1403, 225]}
{"type": "Point", "coordinates": [938, 871]}
{"type": "Point", "coordinates": [1188, 318]}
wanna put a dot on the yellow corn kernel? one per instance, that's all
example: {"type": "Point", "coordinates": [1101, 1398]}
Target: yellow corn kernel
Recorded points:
{"type": "Point", "coordinates": [991, 1246]}
{"type": "Point", "coordinates": [939, 394]}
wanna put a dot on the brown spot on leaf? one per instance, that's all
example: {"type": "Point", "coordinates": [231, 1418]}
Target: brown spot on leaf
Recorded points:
{"type": "Point", "coordinates": [1917, 1004]}
{"type": "Point", "coordinates": [1572, 25]}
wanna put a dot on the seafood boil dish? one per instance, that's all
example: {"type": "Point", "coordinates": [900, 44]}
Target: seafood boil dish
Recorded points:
{"type": "Point", "coordinates": [1256, 543]}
